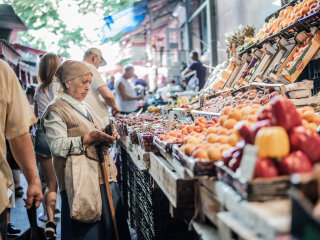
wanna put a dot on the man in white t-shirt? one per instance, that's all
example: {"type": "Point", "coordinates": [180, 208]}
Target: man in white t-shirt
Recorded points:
{"type": "Point", "coordinates": [99, 96]}
{"type": "Point", "coordinates": [126, 96]}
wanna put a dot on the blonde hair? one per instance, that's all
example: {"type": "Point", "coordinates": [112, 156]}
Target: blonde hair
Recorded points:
{"type": "Point", "coordinates": [48, 66]}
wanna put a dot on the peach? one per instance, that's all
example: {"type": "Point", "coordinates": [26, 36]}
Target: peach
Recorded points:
{"type": "Point", "coordinates": [189, 149]}
{"type": "Point", "coordinates": [182, 126]}
{"type": "Point", "coordinates": [190, 128]}
{"type": "Point", "coordinates": [203, 120]}
{"type": "Point", "coordinates": [312, 126]}
{"type": "Point", "coordinates": [184, 131]}
{"type": "Point", "coordinates": [229, 123]}
{"type": "Point", "coordinates": [222, 119]}
{"type": "Point", "coordinates": [232, 139]}
{"type": "Point", "coordinates": [211, 130]}
{"type": "Point", "coordinates": [200, 153]}
{"type": "Point", "coordinates": [225, 147]}
{"type": "Point", "coordinates": [215, 119]}
{"type": "Point", "coordinates": [245, 111]}
{"type": "Point", "coordinates": [197, 129]}
{"type": "Point", "coordinates": [307, 109]}
{"type": "Point", "coordinates": [305, 123]}
{"type": "Point", "coordinates": [222, 131]}
{"type": "Point", "coordinates": [214, 153]}
{"type": "Point", "coordinates": [316, 119]}
{"type": "Point", "coordinates": [227, 110]}
{"type": "Point", "coordinates": [212, 138]}
{"type": "Point", "coordinates": [308, 115]}
{"type": "Point", "coordinates": [194, 140]}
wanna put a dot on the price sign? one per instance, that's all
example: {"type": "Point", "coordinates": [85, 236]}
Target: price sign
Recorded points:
{"type": "Point", "coordinates": [139, 112]}
{"type": "Point", "coordinates": [170, 122]}
{"type": "Point", "coordinates": [248, 162]}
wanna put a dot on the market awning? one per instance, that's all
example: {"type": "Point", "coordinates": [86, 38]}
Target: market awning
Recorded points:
{"type": "Point", "coordinates": [34, 51]}
{"type": "Point", "coordinates": [161, 16]}
{"type": "Point", "coordinates": [126, 20]}
{"type": "Point", "coordinates": [9, 19]}
{"type": "Point", "coordinates": [9, 52]}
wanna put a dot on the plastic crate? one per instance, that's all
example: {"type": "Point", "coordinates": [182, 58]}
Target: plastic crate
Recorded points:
{"type": "Point", "coordinates": [311, 20]}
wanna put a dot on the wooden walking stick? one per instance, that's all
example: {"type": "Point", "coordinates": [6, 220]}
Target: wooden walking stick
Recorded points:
{"type": "Point", "coordinates": [109, 194]}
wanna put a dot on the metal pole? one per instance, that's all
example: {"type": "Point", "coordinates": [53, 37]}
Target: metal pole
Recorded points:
{"type": "Point", "coordinates": [188, 31]}
{"type": "Point", "coordinates": [212, 32]}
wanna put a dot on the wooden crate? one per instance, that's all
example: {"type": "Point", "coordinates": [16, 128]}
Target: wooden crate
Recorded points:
{"type": "Point", "coordinates": [179, 191]}
{"type": "Point", "coordinates": [209, 204]}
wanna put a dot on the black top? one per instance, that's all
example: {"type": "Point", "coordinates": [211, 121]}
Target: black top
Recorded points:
{"type": "Point", "coordinates": [200, 72]}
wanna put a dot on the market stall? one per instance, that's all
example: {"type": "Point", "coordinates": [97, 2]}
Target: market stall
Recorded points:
{"type": "Point", "coordinates": [240, 158]}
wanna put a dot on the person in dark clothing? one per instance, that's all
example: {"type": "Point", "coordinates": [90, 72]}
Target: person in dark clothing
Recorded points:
{"type": "Point", "coordinates": [196, 65]}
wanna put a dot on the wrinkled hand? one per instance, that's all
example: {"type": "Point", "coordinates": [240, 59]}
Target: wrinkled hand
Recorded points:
{"type": "Point", "coordinates": [116, 134]}
{"type": "Point", "coordinates": [115, 111]}
{"type": "Point", "coordinates": [96, 136]}
{"type": "Point", "coordinates": [34, 194]}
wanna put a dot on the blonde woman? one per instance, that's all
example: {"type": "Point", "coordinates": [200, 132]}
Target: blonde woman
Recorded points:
{"type": "Point", "coordinates": [45, 93]}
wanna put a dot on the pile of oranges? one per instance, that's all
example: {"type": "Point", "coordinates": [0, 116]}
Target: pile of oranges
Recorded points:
{"type": "Point", "coordinates": [287, 17]}
{"type": "Point", "coordinates": [309, 118]}
{"type": "Point", "coordinates": [207, 140]}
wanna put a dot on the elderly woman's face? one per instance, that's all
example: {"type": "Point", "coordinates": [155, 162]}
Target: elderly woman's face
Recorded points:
{"type": "Point", "coordinates": [79, 87]}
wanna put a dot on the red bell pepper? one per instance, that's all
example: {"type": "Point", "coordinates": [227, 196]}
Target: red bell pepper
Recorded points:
{"type": "Point", "coordinates": [284, 113]}
{"type": "Point", "coordinates": [307, 141]}
{"type": "Point", "coordinates": [264, 114]}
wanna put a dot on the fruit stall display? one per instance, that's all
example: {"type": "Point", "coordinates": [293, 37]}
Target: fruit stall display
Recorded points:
{"type": "Point", "coordinates": [142, 128]}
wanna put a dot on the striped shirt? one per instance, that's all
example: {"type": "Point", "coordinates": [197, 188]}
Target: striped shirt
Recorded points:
{"type": "Point", "coordinates": [16, 117]}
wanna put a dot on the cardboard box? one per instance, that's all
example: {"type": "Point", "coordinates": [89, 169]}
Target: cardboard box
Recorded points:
{"type": "Point", "coordinates": [292, 74]}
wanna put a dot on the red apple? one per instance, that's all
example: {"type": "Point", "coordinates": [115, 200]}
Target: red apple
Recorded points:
{"type": "Point", "coordinates": [295, 162]}
{"type": "Point", "coordinates": [265, 168]}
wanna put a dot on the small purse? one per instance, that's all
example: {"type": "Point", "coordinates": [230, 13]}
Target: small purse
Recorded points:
{"type": "Point", "coordinates": [83, 188]}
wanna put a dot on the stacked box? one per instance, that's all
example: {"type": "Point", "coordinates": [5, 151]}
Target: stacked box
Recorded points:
{"type": "Point", "coordinates": [148, 208]}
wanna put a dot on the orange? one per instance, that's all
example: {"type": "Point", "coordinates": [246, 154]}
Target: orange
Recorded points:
{"type": "Point", "coordinates": [214, 153]}
{"type": "Point", "coordinates": [312, 126]}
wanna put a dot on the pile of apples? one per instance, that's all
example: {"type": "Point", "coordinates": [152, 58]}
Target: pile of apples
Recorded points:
{"type": "Point", "coordinates": [284, 145]}
{"type": "Point", "coordinates": [207, 140]}
{"type": "Point", "coordinates": [250, 97]}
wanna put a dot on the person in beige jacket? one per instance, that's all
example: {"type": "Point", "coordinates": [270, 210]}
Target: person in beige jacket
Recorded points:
{"type": "Point", "coordinates": [73, 129]}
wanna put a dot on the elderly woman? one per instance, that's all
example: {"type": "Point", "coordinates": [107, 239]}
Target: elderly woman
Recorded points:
{"type": "Point", "coordinates": [73, 129]}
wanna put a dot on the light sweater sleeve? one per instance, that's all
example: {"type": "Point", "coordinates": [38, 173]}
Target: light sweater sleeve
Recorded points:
{"type": "Point", "coordinates": [56, 132]}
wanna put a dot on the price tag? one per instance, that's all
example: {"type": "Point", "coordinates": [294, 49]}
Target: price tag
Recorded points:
{"type": "Point", "coordinates": [248, 162]}
{"type": "Point", "coordinates": [170, 123]}
{"type": "Point", "coordinates": [201, 101]}
{"type": "Point", "coordinates": [139, 112]}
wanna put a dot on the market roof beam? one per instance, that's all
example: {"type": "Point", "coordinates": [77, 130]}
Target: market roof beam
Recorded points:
{"type": "Point", "coordinates": [199, 9]}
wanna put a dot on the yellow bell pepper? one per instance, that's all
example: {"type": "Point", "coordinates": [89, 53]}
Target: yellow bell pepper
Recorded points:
{"type": "Point", "coordinates": [272, 142]}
